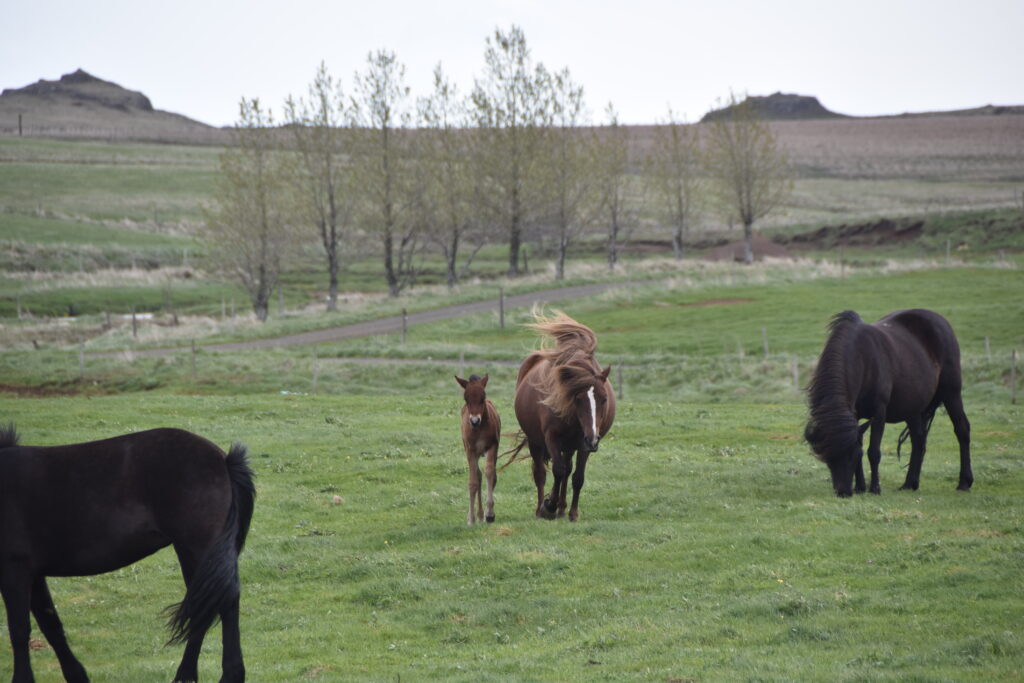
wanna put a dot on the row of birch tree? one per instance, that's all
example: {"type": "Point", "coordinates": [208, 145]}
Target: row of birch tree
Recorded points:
{"type": "Point", "coordinates": [516, 160]}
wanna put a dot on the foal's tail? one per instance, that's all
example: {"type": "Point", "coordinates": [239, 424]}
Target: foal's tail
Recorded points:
{"type": "Point", "coordinates": [214, 585]}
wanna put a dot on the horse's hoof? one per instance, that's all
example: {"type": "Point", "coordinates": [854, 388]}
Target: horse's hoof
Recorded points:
{"type": "Point", "coordinates": [490, 519]}
{"type": "Point", "coordinates": [545, 513]}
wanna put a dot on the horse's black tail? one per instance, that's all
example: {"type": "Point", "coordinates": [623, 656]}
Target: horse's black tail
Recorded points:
{"type": "Point", "coordinates": [905, 434]}
{"type": "Point", "coordinates": [215, 585]}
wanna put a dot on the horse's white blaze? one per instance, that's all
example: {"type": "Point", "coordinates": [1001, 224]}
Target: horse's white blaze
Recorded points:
{"type": "Point", "coordinates": [593, 410]}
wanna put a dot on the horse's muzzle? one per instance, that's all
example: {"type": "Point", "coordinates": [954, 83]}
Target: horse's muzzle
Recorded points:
{"type": "Point", "coordinates": [474, 420]}
{"type": "Point", "coordinates": [592, 444]}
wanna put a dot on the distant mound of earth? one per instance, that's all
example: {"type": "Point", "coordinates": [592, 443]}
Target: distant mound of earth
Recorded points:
{"type": "Point", "coordinates": [779, 106]}
{"type": "Point", "coordinates": [80, 105]}
{"type": "Point", "coordinates": [761, 246]}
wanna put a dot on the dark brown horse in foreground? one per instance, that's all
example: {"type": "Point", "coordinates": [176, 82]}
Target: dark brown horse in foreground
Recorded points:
{"type": "Point", "coordinates": [481, 431]}
{"type": "Point", "coordinates": [899, 369]}
{"type": "Point", "coordinates": [94, 507]}
{"type": "Point", "coordinates": [564, 404]}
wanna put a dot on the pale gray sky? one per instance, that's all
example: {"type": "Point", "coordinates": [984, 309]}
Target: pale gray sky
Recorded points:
{"type": "Point", "coordinates": [861, 57]}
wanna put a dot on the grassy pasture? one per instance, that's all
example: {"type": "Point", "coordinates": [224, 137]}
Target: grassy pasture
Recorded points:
{"type": "Point", "coordinates": [709, 548]}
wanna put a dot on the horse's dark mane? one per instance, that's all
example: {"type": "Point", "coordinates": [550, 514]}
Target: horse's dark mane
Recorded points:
{"type": "Point", "coordinates": [832, 427]}
{"type": "Point", "coordinates": [8, 435]}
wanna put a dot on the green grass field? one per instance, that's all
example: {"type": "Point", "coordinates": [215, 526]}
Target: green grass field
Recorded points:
{"type": "Point", "coordinates": [710, 547]}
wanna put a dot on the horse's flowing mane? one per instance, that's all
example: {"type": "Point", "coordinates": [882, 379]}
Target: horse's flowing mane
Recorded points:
{"type": "Point", "coordinates": [8, 435]}
{"type": "Point", "coordinates": [832, 427]}
{"type": "Point", "coordinates": [572, 360]}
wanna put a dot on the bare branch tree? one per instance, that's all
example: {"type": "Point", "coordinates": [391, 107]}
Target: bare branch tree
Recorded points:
{"type": "Point", "coordinates": [381, 111]}
{"type": "Point", "coordinates": [674, 165]}
{"type": "Point", "coordinates": [321, 131]}
{"type": "Point", "coordinates": [751, 173]}
{"type": "Point", "coordinates": [246, 226]}
{"type": "Point", "coordinates": [507, 106]}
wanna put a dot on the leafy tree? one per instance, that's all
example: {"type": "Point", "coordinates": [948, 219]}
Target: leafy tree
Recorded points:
{"type": "Point", "coordinates": [751, 173]}
{"type": "Point", "coordinates": [508, 108]}
{"type": "Point", "coordinates": [381, 113]}
{"type": "Point", "coordinates": [675, 166]}
{"type": "Point", "coordinates": [322, 173]}
{"type": "Point", "coordinates": [246, 227]}
{"type": "Point", "coordinates": [451, 190]}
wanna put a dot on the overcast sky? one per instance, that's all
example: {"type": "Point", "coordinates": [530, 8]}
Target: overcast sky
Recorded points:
{"type": "Point", "coordinates": [860, 57]}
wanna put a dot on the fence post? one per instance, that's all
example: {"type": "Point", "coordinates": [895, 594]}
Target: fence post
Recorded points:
{"type": "Point", "coordinates": [619, 381]}
{"type": "Point", "coordinates": [988, 351]}
{"type": "Point", "coordinates": [193, 360]}
{"type": "Point", "coordinates": [19, 302]}
{"type": "Point", "coordinates": [19, 125]}
{"type": "Point", "coordinates": [280, 300]}
{"type": "Point", "coordinates": [501, 307]}
{"type": "Point", "coordinates": [405, 324]}
{"type": "Point", "coordinates": [135, 324]}
{"type": "Point", "coordinates": [1013, 377]}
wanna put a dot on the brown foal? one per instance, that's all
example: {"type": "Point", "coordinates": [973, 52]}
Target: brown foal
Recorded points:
{"type": "Point", "coordinates": [481, 430]}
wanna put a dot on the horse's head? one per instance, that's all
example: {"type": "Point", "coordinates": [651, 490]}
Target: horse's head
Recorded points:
{"type": "Point", "coordinates": [839, 448]}
{"type": "Point", "coordinates": [590, 401]}
{"type": "Point", "coordinates": [475, 397]}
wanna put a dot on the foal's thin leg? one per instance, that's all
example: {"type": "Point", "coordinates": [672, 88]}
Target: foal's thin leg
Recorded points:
{"type": "Point", "coordinates": [490, 469]}
{"type": "Point", "coordinates": [16, 586]}
{"type": "Point", "coordinates": [962, 429]}
{"type": "Point", "coordinates": [232, 668]}
{"type": "Point", "coordinates": [875, 451]}
{"type": "Point", "coordinates": [577, 484]}
{"type": "Point", "coordinates": [918, 437]}
{"type": "Point", "coordinates": [474, 488]}
{"type": "Point", "coordinates": [49, 623]}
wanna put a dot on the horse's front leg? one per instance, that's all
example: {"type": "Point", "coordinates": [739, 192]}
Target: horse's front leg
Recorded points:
{"type": "Point", "coordinates": [491, 471]}
{"type": "Point", "coordinates": [560, 472]}
{"type": "Point", "coordinates": [858, 470]}
{"type": "Point", "coordinates": [577, 483]}
{"type": "Point", "coordinates": [475, 508]}
{"type": "Point", "coordinates": [16, 588]}
{"type": "Point", "coordinates": [875, 449]}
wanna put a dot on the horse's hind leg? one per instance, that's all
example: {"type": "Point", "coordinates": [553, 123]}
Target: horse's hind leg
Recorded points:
{"type": "Point", "coordinates": [962, 429]}
{"type": "Point", "coordinates": [918, 437]}
{"type": "Point", "coordinates": [188, 670]}
{"type": "Point", "coordinates": [49, 623]}
{"type": "Point", "coordinates": [874, 453]}
{"type": "Point", "coordinates": [540, 475]}
{"type": "Point", "coordinates": [232, 668]}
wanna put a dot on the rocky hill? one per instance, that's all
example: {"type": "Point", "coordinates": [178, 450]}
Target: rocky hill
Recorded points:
{"type": "Point", "coordinates": [80, 105]}
{"type": "Point", "coordinates": [779, 107]}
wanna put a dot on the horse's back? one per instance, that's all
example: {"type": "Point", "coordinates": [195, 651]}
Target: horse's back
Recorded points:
{"type": "Point", "coordinates": [91, 507]}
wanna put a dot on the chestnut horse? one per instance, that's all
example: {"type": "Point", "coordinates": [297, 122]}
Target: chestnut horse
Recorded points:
{"type": "Point", "coordinates": [899, 369]}
{"type": "Point", "coordinates": [481, 430]}
{"type": "Point", "coordinates": [564, 404]}
{"type": "Point", "coordinates": [94, 507]}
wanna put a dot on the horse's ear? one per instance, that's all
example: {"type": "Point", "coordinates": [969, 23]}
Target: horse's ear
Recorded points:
{"type": "Point", "coordinates": [604, 373]}
{"type": "Point", "coordinates": [483, 382]}
{"type": "Point", "coordinates": [461, 381]}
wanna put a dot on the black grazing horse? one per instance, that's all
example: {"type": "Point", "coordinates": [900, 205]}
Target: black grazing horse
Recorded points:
{"type": "Point", "coordinates": [899, 369]}
{"type": "Point", "coordinates": [93, 507]}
